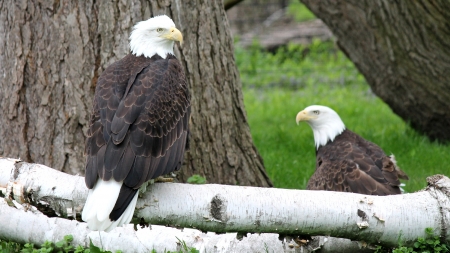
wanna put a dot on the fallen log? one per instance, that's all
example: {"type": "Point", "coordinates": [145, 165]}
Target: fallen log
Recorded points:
{"type": "Point", "coordinates": [223, 209]}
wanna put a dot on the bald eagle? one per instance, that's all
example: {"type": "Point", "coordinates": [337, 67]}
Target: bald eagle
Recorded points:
{"type": "Point", "coordinates": [345, 161]}
{"type": "Point", "coordinates": [138, 129]}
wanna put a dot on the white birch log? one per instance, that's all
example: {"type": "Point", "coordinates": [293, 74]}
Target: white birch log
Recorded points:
{"type": "Point", "coordinates": [21, 226]}
{"type": "Point", "coordinates": [33, 227]}
{"type": "Point", "coordinates": [373, 219]}
{"type": "Point", "coordinates": [40, 185]}
{"type": "Point", "coordinates": [220, 208]}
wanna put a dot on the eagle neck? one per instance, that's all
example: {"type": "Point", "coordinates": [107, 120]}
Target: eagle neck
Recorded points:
{"type": "Point", "coordinates": [148, 47]}
{"type": "Point", "coordinates": [327, 133]}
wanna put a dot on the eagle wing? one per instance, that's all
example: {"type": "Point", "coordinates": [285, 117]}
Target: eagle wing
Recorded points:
{"type": "Point", "coordinates": [139, 127]}
{"type": "Point", "coordinates": [344, 166]}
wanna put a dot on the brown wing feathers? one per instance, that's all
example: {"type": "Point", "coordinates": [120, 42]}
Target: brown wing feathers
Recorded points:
{"type": "Point", "coordinates": [352, 164]}
{"type": "Point", "coordinates": [139, 126]}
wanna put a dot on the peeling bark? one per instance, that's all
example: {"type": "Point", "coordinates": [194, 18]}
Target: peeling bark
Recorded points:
{"type": "Point", "coordinates": [162, 239]}
{"type": "Point", "coordinates": [220, 208]}
{"type": "Point", "coordinates": [53, 53]}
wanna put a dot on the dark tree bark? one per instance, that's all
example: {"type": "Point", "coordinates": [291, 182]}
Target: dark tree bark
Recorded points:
{"type": "Point", "coordinates": [228, 4]}
{"type": "Point", "coordinates": [403, 50]}
{"type": "Point", "coordinates": [53, 52]}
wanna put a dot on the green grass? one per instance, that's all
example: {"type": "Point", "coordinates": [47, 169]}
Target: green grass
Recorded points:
{"type": "Point", "coordinates": [299, 12]}
{"type": "Point", "coordinates": [323, 76]}
{"type": "Point", "coordinates": [65, 246]}
{"type": "Point", "coordinates": [295, 66]}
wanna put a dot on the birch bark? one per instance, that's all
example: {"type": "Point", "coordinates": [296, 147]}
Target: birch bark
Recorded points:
{"type": "Point", "coordinates": [220, 208]}
{"type": "Point", "coordinates": [29, 227]}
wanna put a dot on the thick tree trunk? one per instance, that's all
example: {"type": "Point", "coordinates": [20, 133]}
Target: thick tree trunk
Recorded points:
{"type": "Point", "coordinates": [53, 53]}
{"type": "Point", "coordinates": [403, 50]}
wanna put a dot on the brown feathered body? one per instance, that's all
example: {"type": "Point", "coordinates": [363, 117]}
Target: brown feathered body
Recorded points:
{"type": "Point", "coordinates": [350, 163]}
{"type": "Point", "coordinates": [139, 125]}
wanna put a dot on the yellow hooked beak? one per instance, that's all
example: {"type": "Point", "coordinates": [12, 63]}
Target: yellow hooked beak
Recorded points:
{"type": "Point", "coordinates": [173, 34]}
{"type": "Point", "coordinates": [303, 116]}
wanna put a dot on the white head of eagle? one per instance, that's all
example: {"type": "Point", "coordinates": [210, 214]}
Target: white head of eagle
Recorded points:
{"type": "Point", "coordinates": [154, 36]}
{"type": "Point", "coordinates": [324, 121]}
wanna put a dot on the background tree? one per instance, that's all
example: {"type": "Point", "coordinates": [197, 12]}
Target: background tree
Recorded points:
{"type": "Point", "coordinates": [403, 50]}
{"type": "Point", "coordinates": [53, 53]}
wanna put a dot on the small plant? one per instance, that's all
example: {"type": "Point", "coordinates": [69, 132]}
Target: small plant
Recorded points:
{"type": "Point", "coordinates": [430, 244]}
{"type": "Point", "coordinates": [49, 247]}
{"type": "Point", "coordinates": [63, 246]}
{"type": "Point", "coordinates": [185, 248]}
{"type": "Point", "coordinates": [196, 179]}
{"type": "Point", "coordinates": [9, 247]}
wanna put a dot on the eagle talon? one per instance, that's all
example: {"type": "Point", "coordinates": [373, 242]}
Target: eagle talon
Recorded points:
{"type": "Point", "coordinates": [164, 179]}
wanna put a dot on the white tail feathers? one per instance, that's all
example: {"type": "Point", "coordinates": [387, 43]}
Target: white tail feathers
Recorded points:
{"type": "Point", "coordinates": [99, 204]}
{"type": "Point", "coordinates": [393, 160]}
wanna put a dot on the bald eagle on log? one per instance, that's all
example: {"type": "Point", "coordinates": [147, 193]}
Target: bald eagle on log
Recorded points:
{"type": "Point", "coordinates": [345, 161]}
{"type": "Point", "coordinates": [138, 129]}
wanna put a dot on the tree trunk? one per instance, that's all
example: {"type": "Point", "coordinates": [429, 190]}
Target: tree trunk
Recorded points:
{"type": "Point", "coordinates": [403, 49]}
{"type": "Point", "coordinates": [53, 53]}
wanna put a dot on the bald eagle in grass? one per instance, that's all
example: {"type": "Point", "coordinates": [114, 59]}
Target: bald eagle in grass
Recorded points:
{"type": "Point", "coordinates": [345, 161]}
{"type": "Point", "coordinates": [139, 125]}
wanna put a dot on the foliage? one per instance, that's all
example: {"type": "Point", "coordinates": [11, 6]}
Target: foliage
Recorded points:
{"type": "Point", "coordinates": [430, 243]}
{"type": "Point", "coordinates": [63, 246]}
{"type": "Point", "coordinates": [295, 66]}
{"type": "Point", "coordinates": [185, 248]}
{"type": "Point", "coordinates": [299, 11]}
{"type": "Point", "coordinates": [9, 247]}
{"type": "Point", "coordinates": [196, 179]}
{"type": "Point", "coordinates": [278, 85]}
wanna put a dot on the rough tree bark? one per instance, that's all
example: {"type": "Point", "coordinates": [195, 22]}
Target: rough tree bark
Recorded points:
{"type": "Point", "coordinates": [53, 53]}
{"type": "Point", "coordinates": [403, 49]}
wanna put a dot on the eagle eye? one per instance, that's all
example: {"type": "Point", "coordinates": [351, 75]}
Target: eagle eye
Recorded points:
{"type": "Point", "coordinates": [316, 112]}
{"type": "Point", "coordinates": [159, 30]}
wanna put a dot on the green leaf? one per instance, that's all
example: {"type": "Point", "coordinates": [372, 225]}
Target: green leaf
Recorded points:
{"type": "Point", "coordinates": [93, 248]}
{"type": "Point", "coordinates": [60, 244]}
{"type": "Point", "coordinates": [430, 241]}
{"type": "Point", "coordinates": [196, 179]}
{"type": "Point", "coordinates": [68, 238]}
{"type": "Point", "coordinates": [80, 249]}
